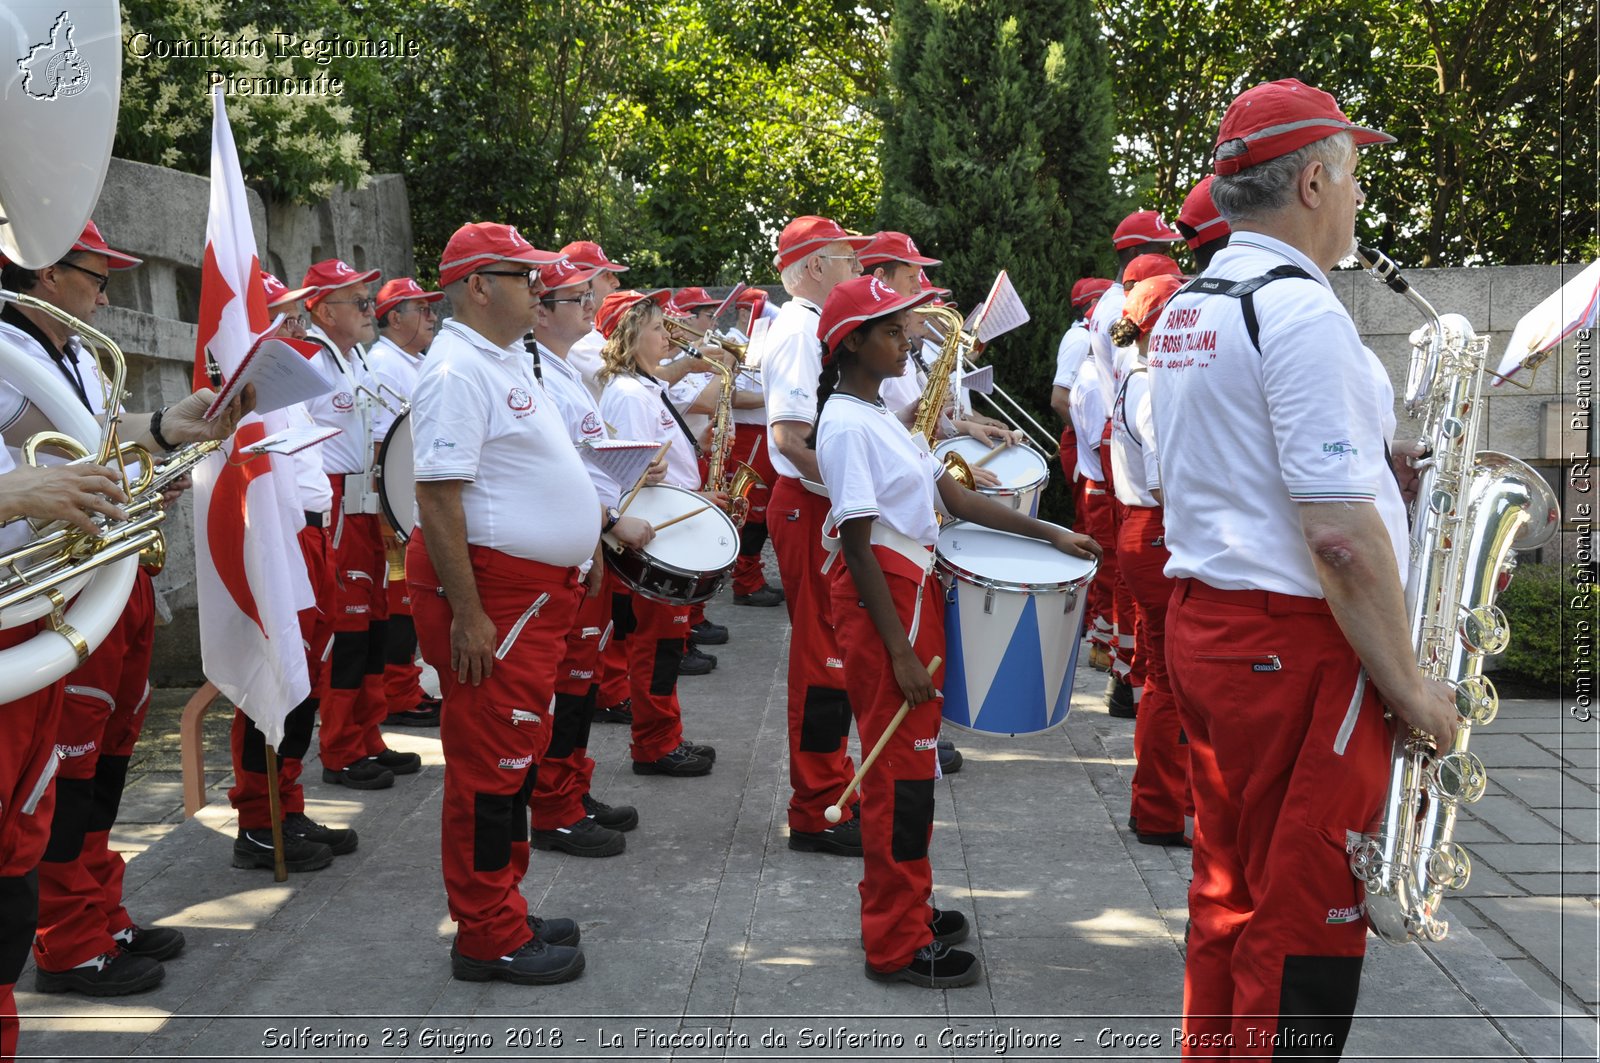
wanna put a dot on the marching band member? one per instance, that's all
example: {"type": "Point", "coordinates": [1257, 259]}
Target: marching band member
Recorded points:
{"type": "Point", "coordinates": [307, 845]}
{"type": "Point", "coordinates": [564, 814]}
{"type": "Point", "coordinates": [814, 255]}
{"type": "Point", "coordinates": [1094, 517]}
{"type": "Point", "coordinates": [585, 354]}
{"type": "Point", "coordinates": [353, 704]}
{"type": "Point", "coordinates": [1161, 777]}
{"type": "Point", "coordinates": [886, 494]}
{"type": "Point", "coordinates": [1204, 229]}
{"type": "Point", "coordinates": [750, 586]}
{"type": "Point", "coordinates": [1289, 617]}
{"type": "Point", "coordinates": [635, 403]}
{"type": "Point", "coordinates": [505, 515]}
{"type": "Point", "coordinates": [1071, 355]}
{"type": "Point", "coordinates": [86, 941]}
{"type": "Point", "coordinates": [405, 328]}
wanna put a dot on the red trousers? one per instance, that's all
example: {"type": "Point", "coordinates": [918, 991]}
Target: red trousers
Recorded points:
{"type": "Point", "coordinates": [1094, 520]}
{"type": "Point", "coordinates": [493, 735]}
{"type": "Point", "coordinates": [1288, 752]}
{"type": "Point", "coordinates": [27, 803]}
{"type": "Point", "coordinates": [750, 447]}
{"type": "Point", "coordinates": [80, 877]}
{"type": "Point", "coordinates": [567, 770]}
{"type": "Point", "coordinates": [402, 676]}
{"type": "Point", "coordinates": [1067, 455]}
{"type": "Point", "coordinates": [654, 636]}
{"type": "Point", "coordinates": [353, 702]}
{"type": "Point", "coordinates": [897, 794]}
{"type": "Point", "coordinates": [1125, 662]}
{"type": "Point", "coordinates": [1161, 779]}
{"type": "Point", "coordinates": [819, 710]}
{"type": "Point", "coordinates": [248, 795]}
{"type": "Point", "coordinates": [612, 668]}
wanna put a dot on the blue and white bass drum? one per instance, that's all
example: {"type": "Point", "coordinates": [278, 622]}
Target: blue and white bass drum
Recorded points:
{"type": "Point", "coordinates": [1013, 621]}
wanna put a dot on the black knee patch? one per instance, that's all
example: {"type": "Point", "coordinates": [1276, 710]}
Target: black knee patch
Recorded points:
{"type": "Point", "coordinates": [623, 622]}
{"type": "Point", "coordinates": [253, 749]}
{"type": "Point", "coordinates": [377, 647]}
{"type": "Point", "coordinates": [824, 721]}
{"type": "Point", "coordinates": [400, 640]}
{"type": "Point", "coordinates": [669, 658]}
{"type": "Point", "coordinates": [913, 819]}
{"type": "Point", "coordinates": [110, 778]}
{"type": "Point", "coordinates": [348, 662]}
{"type": "Point", "coordinates": [297, 728]}
{"type": "Point", "coordinates": [19, 918]}
{"type": "Point", "coordinates": [569, 729]}
{"type": "Point", "coordinates": [1317, 999]}
{"type": "Point", "coordinates": [752, 537]}
{"type": "Point", "coordinates": [74, 806]}
{"type": "Point", "coordinates": [499, 820]}
{"type": "Point", "coordinates": [1183, 739]}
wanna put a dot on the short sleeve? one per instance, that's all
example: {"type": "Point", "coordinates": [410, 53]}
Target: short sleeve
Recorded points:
{"type": "Point", "coordinates": [844, 458]}
{"type": "Point", "coordinates": [450, 421]}
{"type": "Point", "coordinates": [791, 358]}
{"type": "Point", "coordinates": [1144, 424]}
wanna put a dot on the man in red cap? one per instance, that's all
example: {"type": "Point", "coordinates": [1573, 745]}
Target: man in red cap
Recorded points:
{"type": "Point", "coordinates": [585, 354]}
{"type": "Point", "coordinates": [1204, 229]}
{"type": "Point", "coordinates": [750, 586]}
{"type": "Point", "coordinates": [814, 255]}
{"type": "Point", "coordinates": [405, 328]}
{"type": "Point", "coordinates": [1289, 622]}
{"type": "Point", "coordinates": [506, 514]}
{"type": "Point", "coordinates": [87, 942]}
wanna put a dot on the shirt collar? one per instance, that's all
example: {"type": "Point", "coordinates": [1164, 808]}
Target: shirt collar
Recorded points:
{"type": "Point", "coordinates": [1255, 241]}
{"type": "Point", "coordinates": [481, 342]}
{"type": "Point", "coordinates": [11, 315]}
{"type": "Point", "coordinates": [387, 342]}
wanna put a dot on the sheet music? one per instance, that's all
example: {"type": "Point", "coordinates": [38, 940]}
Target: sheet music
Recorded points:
{"type": "Point", "coordinates": [1002, 310]}
{"type": "Point", "coordinates": [979, 380]}
{"type": "Point", "coordinates": [281, 374]}
{"type": "Point", "coordinates": [624, 460]}
{"type": "Point", "coordinates": [294, 439]}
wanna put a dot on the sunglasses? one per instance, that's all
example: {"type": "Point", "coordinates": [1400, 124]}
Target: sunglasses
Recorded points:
{"type": "Point", "coordinates": [362, 305]}
{"type": "Point", "coordinates": [530, 275]}
{"type": "Point", "coordinates": [586, 299]}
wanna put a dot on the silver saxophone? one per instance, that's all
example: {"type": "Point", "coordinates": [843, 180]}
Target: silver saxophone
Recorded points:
{"type": "Point", "coordinates": [1473, 510]}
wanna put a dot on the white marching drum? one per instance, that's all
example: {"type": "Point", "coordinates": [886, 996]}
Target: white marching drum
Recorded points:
{"type": "Point", "coordinates": [397, 477]}
{"type": "Point", "coordinates": [1013, 616]}
{"type": "Point", "coordinates": [1023, 472]}
{"type": "Point", "coordinates": [685, 563]}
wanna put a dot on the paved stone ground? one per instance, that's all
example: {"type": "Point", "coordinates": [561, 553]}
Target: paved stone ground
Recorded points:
{"type": "Point", "coordinates": [709, 932]}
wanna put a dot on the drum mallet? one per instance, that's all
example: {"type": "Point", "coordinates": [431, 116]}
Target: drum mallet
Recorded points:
{"type": "Point", "coordinates": [626, 502]}
{"type": "Point", "coordinates": [987, 458]}
{"type": "Point", "coordinates": [835, 812]}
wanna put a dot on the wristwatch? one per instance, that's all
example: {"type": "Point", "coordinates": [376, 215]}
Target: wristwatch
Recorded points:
{"type": "Point", "coordinates": [612, 516]}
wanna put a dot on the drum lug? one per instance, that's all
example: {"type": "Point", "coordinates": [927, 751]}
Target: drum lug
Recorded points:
{"type": "Point", "coordinates": [988, 601]}
{"type": "Point", "coordinates": [1071, 598]}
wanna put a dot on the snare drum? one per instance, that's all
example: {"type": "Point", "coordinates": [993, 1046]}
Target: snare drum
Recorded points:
{"type": "Point", "coordinates": [687, 562]}
{"type": "Point", "coordinates": [397, 478]}
{"type": "Point", "coordinates": [1013, 618]}
{"type": "Point", "coordinates": [1023, 472]}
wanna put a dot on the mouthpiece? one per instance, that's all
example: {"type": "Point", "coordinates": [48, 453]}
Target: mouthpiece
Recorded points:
{"type": "Point", "coordinates": [1382, 267]}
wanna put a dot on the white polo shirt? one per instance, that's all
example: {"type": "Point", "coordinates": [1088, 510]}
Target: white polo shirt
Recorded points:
{"type": "Point", "coordinates": [79, 371]}
{"type": "Point", "coordinates": [1134, 463]}
{"type": "Point", "coordinates": [397, 371]}
{"type": "Point", "coordinates": [636, 408]}
{"type": "Point", "coordinates": [1106, 313]}
{"type": "Point", "coordinates": [479, 415]}
{"type": "Point", "coordinates": [564, 385]}
{"type": "Point", "coordinates": [316, 493]}
{"type": "Point", "coordinates": [585, 357]}
{"type": "Point", "coordinates": [1088, 410]}
{"type": "Point", "coordinates": [874, 468]}
{"type": "Point", "coordinates": [683, 394]}
{"type": "Point", "coordinates": [351, 450]}
{"type": "Point", "coordinates": [1247, 435]}
{"type": "Point", "coordinates": [1070, 354]}
{"type": "Point", "coordinates": [749, 414]}
{"type": "Point", "coordinates": [791, 362]}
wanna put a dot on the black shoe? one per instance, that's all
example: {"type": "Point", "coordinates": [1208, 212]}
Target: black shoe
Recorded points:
{"type": "Point", "coordinates": [621, 713]}
{"type": "Point", "coordinates": [154, 942]}
{"type": "Point", "coordinates": [342, 840]}
{"type": "Point", "coordinates": [562, 932]}
{"type": "Point", "coordinates": [112, 974]}
{"type": "Point", "coordinates": [679, 762]}
{"type": "Point", "coordinates": [583, 838]}
{"type": "Point", "coordinates": [1172, 839]}
{"type": "Point", "coordinates": [949, 928]}
{"type": "Point", "coordinates": [398, 762]}
{"type": "Point", "coordinates": [426, 714]}
{"type": "Point", "coordinates": [616, 817]}
{"type": "Point", "coordinates": [366, 774]}
{"type": "Point", "coordinates": [253, 849]}
{"type": "Point", "coordinates": [950, 759]}
{"type": "Point", "coordinates": [535, 963]}
{"type": "Point", "coordinates": [705, 633]}
{"type": "Point", "coordinates": [766, 596]}
{"type": "Point", "coordinates": [700, 749]}
{"type": "Point", "coordinates": [696, 662]}
{"type": "Point", "coordinates": [843, 840]}
{"type": "Point", "coordinates": [1119, 700]}
{"type": "Point", "coordinates": [935, 967]}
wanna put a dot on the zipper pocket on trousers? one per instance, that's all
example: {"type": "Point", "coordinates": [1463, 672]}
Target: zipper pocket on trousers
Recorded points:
{"type": "Point", "coordinates": [516, 629]}
{"type": "Point", "coordinates": [45, 775]}
{"type": "Point", "coordinates": [1258, 662]}
{"type": "Point", "coordinates": [519, 716]}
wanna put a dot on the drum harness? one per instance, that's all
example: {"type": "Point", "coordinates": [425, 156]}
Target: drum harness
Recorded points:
{"type": "Point", "coordinates": [363, 500]}
{"type": "Point", "coordinates": [904, 546]}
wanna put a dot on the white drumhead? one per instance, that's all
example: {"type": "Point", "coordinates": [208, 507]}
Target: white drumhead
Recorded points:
{"type": "Point", "coordinates": [397, 484]}
{"type": "Point", "coordinates": [1011, 560]}
{"type": "Point", "coordinates": [1018, 467]}
{"type": "Point", "coordinates": [706, 542]}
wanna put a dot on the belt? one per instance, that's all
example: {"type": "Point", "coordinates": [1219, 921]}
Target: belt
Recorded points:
{"type": "Point", "coordinates": [316, 519]}
{"type": "Point", "coordinates": [1269, 602]}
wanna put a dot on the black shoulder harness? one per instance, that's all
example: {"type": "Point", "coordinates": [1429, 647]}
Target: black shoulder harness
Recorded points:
{"type": "Point", "coordinates": [1244, 291]}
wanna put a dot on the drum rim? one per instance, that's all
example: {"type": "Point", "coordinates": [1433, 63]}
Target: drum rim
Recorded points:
{"type": "Point", "coordinates": [1003, 492]}
{"type": "Point", "coordinates": [403, 534]}
{"type": "Point", "coordinates": [965, 575]}
{"type": "Point", "coordinates": [732, 528]}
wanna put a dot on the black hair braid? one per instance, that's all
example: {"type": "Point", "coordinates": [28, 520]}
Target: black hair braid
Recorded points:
{"type": "Point", "coordinates": [827, 383]}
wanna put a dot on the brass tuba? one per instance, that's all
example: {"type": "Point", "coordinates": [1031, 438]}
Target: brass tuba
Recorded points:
{"type": "Point", "coordinates": [1471, 512]}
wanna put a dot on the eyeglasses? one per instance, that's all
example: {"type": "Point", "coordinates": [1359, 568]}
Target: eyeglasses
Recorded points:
{"type": "Point", "coordinates": [843, 258]}
{"type": "Point", "coordinates": [530, 275]}
{"type": "Point", "coordinates": [586, 299]}
{"type": "Point", "coordinates": [362, 305]}
{"type": "Point", "coordinates": [103, 278]}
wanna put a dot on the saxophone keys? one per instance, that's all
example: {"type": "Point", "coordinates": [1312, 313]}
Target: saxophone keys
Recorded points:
{"type": "Point", "coordinates": [1449, 866]}
{"type": "Point", "coordinates": [1460, 777]}
{"type": "Point", "coordinates": [1477, 700]}
{"type": "Point", "coordinates": [1485, 630]}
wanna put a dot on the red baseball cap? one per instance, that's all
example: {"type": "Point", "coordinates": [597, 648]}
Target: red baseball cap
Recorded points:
{"type": "Point", "coordinates": [1200, 214]}
{"type": "Point", "coordinates": [855, 302]}
{"type": "Point", "coordinates": [279, 293]}
{"type": "Point", "coordinates": [929, 286]}
{"type": "Point", "coordinates": [688, 299]}
{"type": "Point", "coordinates": [892, 247]}
{"type": "Point", "coordinates": [1148, 298]}
{"type": "Point", "coordinates": [565, 274]}
{"type": "Point", "coordinates": [1143, 227]}
{"type": "Point", "coordinates": [401, 289]}
{"type": "Point", "coordinates": [330, 275]}
{"type": "Point", "coordinates": [1278, 117]}
{"type": "Point", "coordinates": [587, 253]}
{"type": "Point", "coordinates": [1088, 290]}
{"type": "Point", "coordinates": [481, 243]}
{"type": "Point", "coordinates": [1146, 266]}
{"type": "Point", "coordinates": [615, 305]}
{"type": "Point", "coordinates": [93, 242]}
{"type": "Point", "coordinates": [755, 299]}
{"type": "Point", "coordinates": [810, 233]}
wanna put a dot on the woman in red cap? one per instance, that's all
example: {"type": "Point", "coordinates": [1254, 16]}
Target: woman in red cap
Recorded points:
{"type": "Point", "coordinates": [886, 494]}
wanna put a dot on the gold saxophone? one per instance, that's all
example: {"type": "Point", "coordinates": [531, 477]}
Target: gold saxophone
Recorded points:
{"type": "Point", "coordinates": [1472, 510]}
{"type": "Point", "coordinates": [739, 480]}
{"type": "Point", "coordinates": [937, 390]}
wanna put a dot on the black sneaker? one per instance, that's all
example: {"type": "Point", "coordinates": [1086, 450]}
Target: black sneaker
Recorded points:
{"type": "Point", "coordinates": [426, 714]}
{"type": "Point", "coordinates": [949, 928]}
{"type": "Point", "coordinates": [535, 963]}
{"type": "Point", "coordinates": [679, 762]}
{"type": "Point", "coordinates": [935, 966]}
{"type": "Point", "coordinates": [950, 758]}
{"type": "Point", "coordinates": [156, 942]}
{"type": "Point", "coordinates": [111, 974]}
{"type": "Point", "coordinates": [555, 931]}
{"type": "Point", "coordinates": [1119, 700]}
{"type": "Point", "coordinates": [583, 838]}
{"type": "Point", "coordinates": [365, 774]}
{"type": "Point", "coordinates": [842, 840]}
{"type": "Point", "coordinates": [620, 713]}
{"type": "Point", "coordinates": [617, 817]}
{"type": "Point", "coordinates": [766, 596]}
{"type": "Point", "coordinates": [1172, 839]}
{"type": "Point", "coordinates": [398, 762]}
{"type": "Point", "coordinates": [342, 840]}
{"type": "Point", "coordinates": [253, 849]}
{"type": "Point", "coordinates": [705, 633]}
{"type": "Point", "coordinates": [696, 662]}
{"type": "Point", "coordinates": [700, 749]}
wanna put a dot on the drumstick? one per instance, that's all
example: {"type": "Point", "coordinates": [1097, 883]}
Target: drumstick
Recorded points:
{"type": "Point", "coordinates": [835, 812]}
{"type": "Point", "coordinates": [981, 462]}
{"type": "Point", "coordinates": [681, 516]}
{"type": "Point", "coordinates": [626, 502]}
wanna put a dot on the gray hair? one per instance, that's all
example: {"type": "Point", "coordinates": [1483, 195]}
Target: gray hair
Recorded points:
{"type": "Point", "coordinates": [794, 273]}
{"type": "Point", "coordinates": [1265, 187]}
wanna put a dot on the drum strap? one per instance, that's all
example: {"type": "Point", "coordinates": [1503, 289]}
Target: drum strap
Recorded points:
{"type": "Point", "coordinates": [676, 416]}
